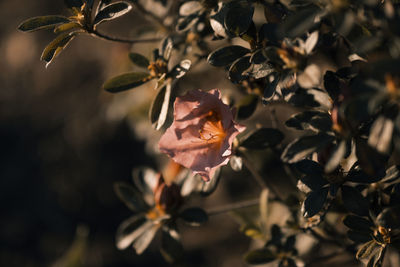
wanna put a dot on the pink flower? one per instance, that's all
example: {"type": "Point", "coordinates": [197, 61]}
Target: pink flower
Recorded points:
{"type": "Point", "coordinates": [201, 136]}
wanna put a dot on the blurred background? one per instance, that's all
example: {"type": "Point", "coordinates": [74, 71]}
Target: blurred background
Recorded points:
{"type": "Point", "coordinates": [64, 142]}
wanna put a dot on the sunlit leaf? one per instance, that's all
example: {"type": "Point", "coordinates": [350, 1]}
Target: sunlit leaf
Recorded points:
{"type": "Point", "coordinates": [144, 240]}
{"type": "Point", "coordinates": [131, 229]}
{"type": "Point", "coordinates": [226, 55]}
{"type": "Point", "coordinates": [53, 49]}
{"type": "Point", "coordinates": [139, 60]}
{"type": "Point", "coordinates": [43, 22]}
{"type": "Point", "coordinates": [180, 69]}
{"type": "Point", "coordinates": [112, 11]}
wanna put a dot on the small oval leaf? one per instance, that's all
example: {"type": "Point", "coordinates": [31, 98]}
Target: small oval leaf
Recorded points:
{"type": "Point", "coordinates": [226, 55]}
{"type": "Point", "coordinates": [53, 49]}
{"type": "Point", "coordinates": [126, 81]}
{"type": "Point", "coordinates": [139, 60]}
{"type": "Point", "coordinates": [314, 202]}
{"type": "Point", "coordinates": [112, 11]}
{"type": "Point", "coordinates": [260, 256]}
{"type": "Point", "coordinates": [194, 216]}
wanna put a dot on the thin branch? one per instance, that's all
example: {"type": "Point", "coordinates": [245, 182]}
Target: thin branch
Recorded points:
{"type": "Point", "coordinates": [234, 206]}
{"type": "Point", "coordinates": [151, 15]}
{"type": "Point", "coordinates": [95, 33]}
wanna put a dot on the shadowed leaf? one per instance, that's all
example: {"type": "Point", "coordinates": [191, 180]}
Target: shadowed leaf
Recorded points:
{"type": "Point", "coordinates": [226, 55]}
{"type": "Point", "coordinates": [239, 16]}
{"type": "Point", "coordinates": [126, 81]}
{"type": "Point", "coordinates": [130, 196]}
{"type": "Point", "coordinates": [43, 22]}
{"type": "Point", "coordinates": [260, 256]}
{"type": "Point", "coordinates": [354, 201]}
{"type": "Point", "coordinates": [247, 106]}
{"type": "Point", "coordinates": [358, 224]}
{"type": "Point", "coordinates": [263, 138]}
{"type": "Point", "coordinates": [314, 202]}
{"type": "Point", "coordinates": [194, 216]}
{"type": "Point", "coordinates": [139, 60]}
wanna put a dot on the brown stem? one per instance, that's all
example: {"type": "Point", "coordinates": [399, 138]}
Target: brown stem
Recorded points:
{"type": "Point", "coordinates": [122, 40]}
{"type": "Point", "coordinates": [234, 206]}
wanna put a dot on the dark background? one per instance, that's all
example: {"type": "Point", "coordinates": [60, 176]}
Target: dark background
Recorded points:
{"type": "Point", "coordinates": [61, 153]}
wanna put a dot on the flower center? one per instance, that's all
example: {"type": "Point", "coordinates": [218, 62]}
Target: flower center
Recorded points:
{"type": "Point", "coordinates": [212, 130]}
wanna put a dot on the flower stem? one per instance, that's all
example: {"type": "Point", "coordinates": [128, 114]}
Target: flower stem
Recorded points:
{"type": "Point", "coordinates": [121, 40]}
{"type": "Point", "coordinates": [234, 206]}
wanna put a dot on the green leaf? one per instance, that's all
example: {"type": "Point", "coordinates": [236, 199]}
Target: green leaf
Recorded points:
{"type": "Point", "coordinates": [159, 107]}
{"type": "Point", "coordinates": [389, 217]}
{"type": "Point", "coordinates": [337, 155]}
{"type": "Point", "coordinates": [180, 69]}
{"type": "Point", "coordinates": [358, 224]}
{"type": "Point", "coordinates": [304, 146]}
{"type": "Point", "coordinates": [126, 81]}
{"type": "Point", "coordinates": [314, 202]}
{"type": "Point", "coordinates": [238, 17]}
{"type": "Point", "coordinates": [313, 181]}
{"type": "Point", "coordinates": [43, 22]}
{"type": "Point", "coordinates": [247, 106]}
{"type": "Point", "coordinates": [111, 12]}
{"type": "Point", "coordinates": [143, 241]}
{"type": "Point", "coordinates": [194, 216]}
{"type": "Point", "coordinates": [139, 60]}
{"type": "Point", "coordinates": [309, 167]}
{"type": "Point", "coordinates": [263, 138]}
{"type": "Point", "coordinates": [354, 201]}
{"type": "Point", "coordinates": [226, 55]}
{"type": "Point", "coordinates": [130, 196]}
{"type": "Point", "coordinates": [260, 256]}
{"type": "Point", "coordinates": [358, 237]}
{"type": "Point", "coordinates": [186, 23]}
{"type": "Point", "coordinates": [310, 120]}
{"type": "Point", "coordinates": [299, 22]}
{"type": "Point", "coordinates": [53, 49]}
{"type": "Point", "coordinates": [67, 26]}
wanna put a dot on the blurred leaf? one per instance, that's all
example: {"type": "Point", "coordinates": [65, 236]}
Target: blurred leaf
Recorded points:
{"type": "Point", "coordinates": [299, 22]}
{"type": "Point", "coordinates": [380, 137]}
{"type": "Point", "coordinates": [260, 256]}
{"type": "Point", "coordinates": [166, 48]}
{"type": "Point", "coordinates": [130, 229]}
{"type": "Point", "coordinates": [290, 243]}
{"type": "Point", "coordinates": [357, 175]}
{"type": "Point", "coordinates": [264, 210]}
{"type": "Point", "coordinates": [112, 11]}
{"type": "Point", "coordinates": [310, 77]}
{"type": "Point", "coordinates": [145, 180]}
{"type": "Point", "coordinates": [180, 69]}
{"type": "Point", "coordinates": [366, 250]}
{"type": "Point", "coordinates": [314, 202]}
{"type": "Point", "coordinates": [53, 49]}
{"type": "Point", "coordinates": [238, 17]}
{"type": "Point", "coordinates": [226, 55]}
{"type": "Point", "coordinates": [236, 163]}
{"type": "Point", "coordinates": [263, 138]}
{"type": "Point", "coordinates": [139, 60]}
{"type": "Point", "coordinates": [337, 155]}
{"type": "Point", "coordinates": [207, 188]}
{"type": "Point", "coordinates": [311, 42]}
{"type": "Point", "coordinates": [101, 5]}
{"type": "Point", "coordinates": [358, 237]}
{"type": "Point", "coordinates": [304, 146]}
{"type": "Point", "coordinates": [258, 71]}
{"type": "Point", "coordinates": [269, 32]}
{"type": "Point", "coordinates": [126, 81]}
{"type": "Point", "coordinates": [310, 120]}
{"type": "Point", "coordinates": [130, 196]}
{"type": "Point", "coordinates": [189, 8]}
{"type": "Point", "coordinates": [186, 23]}
{"type": "Point", "coordinates": [159, 107]}
{"type": "Point", "coordinates": [371, 161]}
{"type": "Point", "coordinates": [194, 216]}
{"type": "Point", "coordinates": [43, 22]}
{"type": "Point", "coordinates": [144, 240]}
{"type": "Point", "coordinates": [354, 201]}
{"type": "Point", "coordinates": [309, 167]}
{"type": "Point", "coordinates": [269, 90]}
{"type": "Point", "coordinates": [358, 224]}
{"type": "Point", "coordinates": [274, 13]}
{"type": "Point", "coordinates": [171, 246]}
{"type": "Point", "coordinates": [73, 3]}
{"type": "Point", "coordinates": [247, 106]}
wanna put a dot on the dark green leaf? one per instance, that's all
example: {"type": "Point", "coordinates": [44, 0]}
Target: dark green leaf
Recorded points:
{"type": "Point", "coordinates": [269, 32]}
{"type": "Point", "coordinates": [247, 106]}
{"type": "Point", "coordinates": [187, 22]}
{"type": "Point", "coordinates": [263, 138]}
{"type": "Point", "coordinates": [337, 155]}
{"type": "Point", "coordinates": [354, 201]}
{"type": "Point", "coordinates": [358, 224]}
{"type": "Point", "coordinates": [159, 107]}
{"type": "Point", "coordinates": [290, 243]}
{"type": "Point", "coordinates": [358, 237]}
{"type": "Point", "coordinates": [269, 90]}
{"type": "Point", "coordinates": [309, 167]}
{"type": "Point", "coordinates": [226, 55]}
{"type": "Point", "coordinates": [131, 197]}
{"type": "Point", "coordinates": [314, 202]}
{"type": "Point", "coordinates": [194, 216]}
{"type": "Point", "coordinates": [313, 181]}
{"type": "Point", "coordinates": [111, 12]}
{"type": "Point", "coordinates": [66, 27]}
{"type": "Point", "coordinates": [139, 60]}
{"type": "Point", "coordinates": [359, 176]}
{"type": "Point", "coordinates": [371, 161]}
{"type": "Point", "coordinates": [260, 256]}
{"type": "Point", "coordinates": [238, 17]}
{"type": "Point", "coordinates": [43, 22]}
{"type": "Point", "coordinates": [189, 8]}
{"type": "Point", "coordinates": [237, 69]}
{"type": "Point", "coordinates": [304, 146]}
{"type": "Point", "coordinates": [166, 48]}
{"type": "Point", "coordinates": [126, 81]}
{"type": "Point", "coordinates": [53, 49]}
{"type": "Point", "coordinates": [310, 120]}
